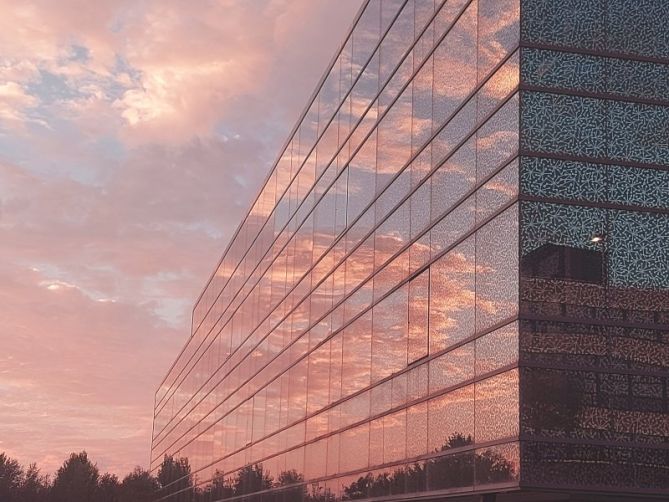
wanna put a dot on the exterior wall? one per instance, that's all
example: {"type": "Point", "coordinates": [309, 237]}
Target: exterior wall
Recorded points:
{"type": "Point", "coordinates": [594, 179]}
{"type": "Point", "coordinates": [359, 337]}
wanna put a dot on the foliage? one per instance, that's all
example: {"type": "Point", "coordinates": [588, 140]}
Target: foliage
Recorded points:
{"type": "Point", "coordinates": [174, 476]}
{"type": "Point", "coordinates": [77, 480]}
{"type": "Point", "coordinates": [11, 478]}
{"type": "Point", "coordinates": [138, 486]}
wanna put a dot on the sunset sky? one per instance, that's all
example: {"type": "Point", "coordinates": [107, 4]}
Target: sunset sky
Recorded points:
{"type": "Point", "coordinates": [133, 137]}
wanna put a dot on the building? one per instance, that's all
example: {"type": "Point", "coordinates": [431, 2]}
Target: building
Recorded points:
{"type": "Point", "coordinates": [454, 284]}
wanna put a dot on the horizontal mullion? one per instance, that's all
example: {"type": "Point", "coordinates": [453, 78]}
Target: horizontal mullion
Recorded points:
{"type": "Point", "coordinates": [608, 96]}
{"type": "Point", "coordinates": [596, 322]}
{"type": "Point", "coordinates": [591, 160]}
{"type": "Point", "coordinates": [590, 52]}
{"type": "Point", "coordinates": [587, 203]}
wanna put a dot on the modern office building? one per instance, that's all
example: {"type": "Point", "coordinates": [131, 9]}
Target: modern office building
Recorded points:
{"type": "Point", "coordinates": [454, 283]}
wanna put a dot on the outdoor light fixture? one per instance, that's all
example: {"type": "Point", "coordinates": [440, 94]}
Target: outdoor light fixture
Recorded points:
{"type": "Point", "coordinates": [597, 238]}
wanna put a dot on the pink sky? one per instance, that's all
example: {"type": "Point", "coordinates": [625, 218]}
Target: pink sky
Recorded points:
{"type": "Point", "coordinates": [133, 137]}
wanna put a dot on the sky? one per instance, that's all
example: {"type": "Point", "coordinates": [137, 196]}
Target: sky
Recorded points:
{"type": "Point", "coordinates": [134, 136]}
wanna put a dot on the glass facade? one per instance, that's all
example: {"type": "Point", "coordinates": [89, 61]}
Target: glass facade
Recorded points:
{"type": "Point", "coordinates": [594, 246]}
{"type": "Point", "coordinates": [455, 279]}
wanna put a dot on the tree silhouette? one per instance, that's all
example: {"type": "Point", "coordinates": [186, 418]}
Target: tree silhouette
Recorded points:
{"type": "Point", "coordinates": [492, 467]}
{"type": "Point", "coordinates": [457, 440]}
{"type": "Point", "coordinates": [76, 480]}
{"type": "Point", "coordinates": [35, 487]}
{"type": "Point", "coordinates": [108, 488]}
{"type": "Point", "coordinates": [138, 486]}
{"type": "Point", "coordinates": [174, 475]}
{"type": "Point", "coordinates": [11, 478]}
{"type": "Point", "coordinates": [251, 479]}
{"type": "Point", "coordinates": [359, 488]}
{"type": "Point", "coordinates": [294, 480]}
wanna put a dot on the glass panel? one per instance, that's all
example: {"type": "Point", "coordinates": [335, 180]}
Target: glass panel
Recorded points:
{"type": "Point", "coordinates": [497, 139]}
{"type": "Point", "coordinates": [315, 459]}
{"type": "Point", "coordinates": [376, 442]}
{"type": "Point", "coordinates": [497, 192]}
{"type": "Point", "coordinates": [417, 382]}
{"type": "Point", "coordinates": [356, 354]}
{"type": "Point", "coordinates": [451, 420]}
{"type": "Point", "coordinates": [454, 179]}
{"type": "Point", "coordinates": [451, 471]}
{"type": "Point", "coordinates": [546, 128]}
{"type": "Point", "coordinates": [394, 436]}
{"type": "Point", "coordinates": [497, 349]}
{"type": "Point", "coordinates": [421, 126]}
{"type": "Point", "coordinates": [500, 85]}
{"type": "Point", "coordinates": [418, 316]}
{"type": "Point", "coordinates": [394, 140]}
{"type": "Point", "coordinates": [497, 269]}
{"type": "Point", "coordinates": [354, 452]}
{"type": "Point", "coordinates": [417, 430]}
{"type": "Point", "coordinates": [638, 250]}
{"type": "Point", "coordinates": [389, 341]}
{"type": "Point", "coordinates": [361, 179]}
{"type": "Point", "coordinates": [498, 33]}
{"type": "Point", "coordinates": [319, 378]}
{"type": "Point", "coordinates": [366, 35]}
{"type": "Point", "coordinates": [452, 368]}
{"type": "Point", "coordinates": [498, 464]}
{"type": "Point", "coordinates": [575, 24]}
{"type": "Point", "coordinates": [452, 297]}
{"type": "Point", "coordinates": [497, 407]}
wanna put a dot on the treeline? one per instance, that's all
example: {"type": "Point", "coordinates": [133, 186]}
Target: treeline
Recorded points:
{"type": "Point", "coordinates": [77, 480]}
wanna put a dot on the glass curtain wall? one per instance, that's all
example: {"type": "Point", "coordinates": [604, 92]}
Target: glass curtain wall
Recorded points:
{"type": "Point", "coordinates": [359, 337]}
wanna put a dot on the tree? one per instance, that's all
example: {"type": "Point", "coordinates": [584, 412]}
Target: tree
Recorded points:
{"type": "Point", "coordinates": [292, 479]}
{"type": "Point", "coordinates": [35, 487]}
{"type": "Point", "coordinates": [251, 479]}
{"type": "Point", "coordinates": [108, 489]}
{"type": "Point", "coordinates": [174, 475]}
{"type": "Point", "coordinates": [76, 480]}
{"type": "Point", "coordinates": [138, 486]}
{"type": "Point", "coordinates": [11, 478]}
{"type": "Point", "coordinates": [221, 488]}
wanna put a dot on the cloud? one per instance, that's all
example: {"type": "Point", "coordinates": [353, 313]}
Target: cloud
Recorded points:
{"type": "Point", "coordinates": [15, 104]}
